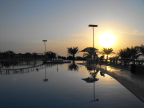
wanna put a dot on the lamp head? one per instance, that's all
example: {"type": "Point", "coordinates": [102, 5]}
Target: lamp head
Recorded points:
{"type": "Point", "coordinates": [91, 25]}
{"type": "Point", "coordinates": [44, 40]}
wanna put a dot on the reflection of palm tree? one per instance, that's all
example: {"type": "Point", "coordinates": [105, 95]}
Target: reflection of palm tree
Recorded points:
{"type": "Point", "coordinates": [45, 79]}
{"type": "Point", "coordinates": [73, 66]}
{"type": "Point", "coordinates": [89, 68]}
{"type": "Point", "coordinates": [102, 74]}
{"type": "Point", "coordinates": [92, 79]}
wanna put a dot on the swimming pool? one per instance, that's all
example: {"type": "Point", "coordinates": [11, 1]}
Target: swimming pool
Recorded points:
{"type": "Point", "coordinates": [62, 86]}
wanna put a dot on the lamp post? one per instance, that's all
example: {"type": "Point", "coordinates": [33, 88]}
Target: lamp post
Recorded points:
{"type": "Point", "coordinates": [91, 25]}
{"type": "Point", "coordinates": [45, 44]}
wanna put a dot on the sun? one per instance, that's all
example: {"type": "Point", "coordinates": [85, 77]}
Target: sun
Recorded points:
{"type": "Point", "coordinates": [106, 39]}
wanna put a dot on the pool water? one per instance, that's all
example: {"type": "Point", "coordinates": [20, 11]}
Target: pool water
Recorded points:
{"type": "Point", "coordinates": [61, 86]}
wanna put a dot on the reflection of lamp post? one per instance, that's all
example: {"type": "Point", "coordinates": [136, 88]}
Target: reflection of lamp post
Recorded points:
{"type": "Point", "coordinates": [57, 67]}
{"type": "Point", "coordinates": [92, 79]}
{"type": "Point", "coordinates": [45, 44]}
{"type": "Point", "coordinates": [91, 25]}
{"type": "Point", "coordinates": [46, 79]}
{"type": "Point", "coordinates": [94, 94]}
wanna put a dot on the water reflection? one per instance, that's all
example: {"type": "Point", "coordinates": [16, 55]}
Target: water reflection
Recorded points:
{"type": "Point", "coordinates": [94, 97]}
{"type": "Point", "coordinates": [93, 73]}
{"type": "Point", "coordinates": [64, 89]}
{"type": "Point", "coordinates": [45, 79]}
{"type": "Point", "coordinates": [57, 67]}
{"type": "Point", "coordinates": [73, 67]}
{"type": "Point", "coordinates": [37, 69]}
{"type": "Point", "coordinates": [20, 69]}
{"type": "Point", "coordinates": [102, 73]}
{"type": "Point", "coordinates": [92, 79]}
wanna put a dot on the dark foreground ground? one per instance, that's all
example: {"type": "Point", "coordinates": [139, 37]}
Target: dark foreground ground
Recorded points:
{"type": "Point", "coordinates": [133, 82]}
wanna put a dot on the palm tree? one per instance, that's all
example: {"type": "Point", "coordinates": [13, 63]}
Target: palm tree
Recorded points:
{"type": "Point", "coordinates": [107, 51]}
{"type": "Point", "coordinates": [123, 53]}
{"type": "Point", "coordinates": [135, 52]}
{"type": "Point", "coordinates": [90, 51]}
{"type": "Point", "coordinates": [132, 52]}
{"type": "Point", "coordinates": [142, 49]}
{"type": "Point", "coordinates": [129, 53]}
{"type": "Point", "coordinates": [88, 55]}
{"type": "Point", "coordinates": [72, 51]}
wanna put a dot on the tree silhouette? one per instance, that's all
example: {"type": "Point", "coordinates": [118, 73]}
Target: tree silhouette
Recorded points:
{"type": "Point", "coordinates": [35, 55]}
{"type": "Point", "coordinates": [107, 51]}
{"type": "Point", "coordinates": [90, 51]}
{"type": "Point", "coordinates": [51, 55]}
{"type": "Point", "coordinates": [8, 54]}
{"type": "Point", "coordinates": [132, 52]}
{"type": "Point", "coordinates": [142, 49]}
{"type": "Point", "coordinates": [73, 67]}
{"type": "Point", "coordinates": [129, 53]}
{"type": "Point", "coordinates": [27, 55]}
{"type": "Point", "coordinates": [72, 51]}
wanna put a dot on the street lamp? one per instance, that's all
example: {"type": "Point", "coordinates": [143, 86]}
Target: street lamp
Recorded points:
{"type": "Point", "coordinates": [45, 44]}
{"type": "Point", "coordinates": [91, 25]}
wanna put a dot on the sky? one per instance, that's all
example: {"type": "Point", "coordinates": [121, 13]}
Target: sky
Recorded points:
{"type": "Point", "coordinates": [64, 23]}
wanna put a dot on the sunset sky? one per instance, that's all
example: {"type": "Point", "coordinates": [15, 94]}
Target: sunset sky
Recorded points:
{"type": "Point", "coordinates": [64, 23]}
